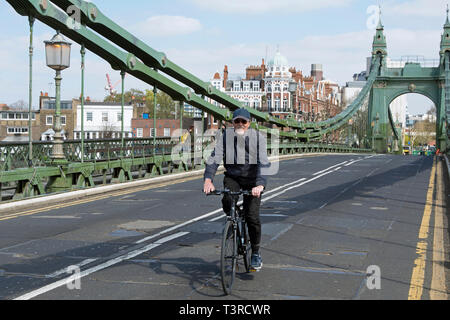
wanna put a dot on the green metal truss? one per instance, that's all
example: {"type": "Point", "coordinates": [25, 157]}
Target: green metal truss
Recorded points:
{"type": "Point", "coordinates": [126, 53]}
{"type": "Point", "coordinates": [143, 62]}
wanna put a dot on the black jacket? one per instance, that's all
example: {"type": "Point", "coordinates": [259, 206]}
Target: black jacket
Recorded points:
{"type": "Point", "coordinates": [245, 157]}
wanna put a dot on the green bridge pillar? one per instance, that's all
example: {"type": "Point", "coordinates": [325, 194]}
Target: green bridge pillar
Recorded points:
{"type": "Point", "coordinates": [60, 183]}
{"type": "Point", "coordinates": [379, 119]}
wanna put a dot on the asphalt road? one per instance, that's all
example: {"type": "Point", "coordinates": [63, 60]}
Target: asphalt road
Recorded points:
{"type": "Point", "coordinates": [334, 227]}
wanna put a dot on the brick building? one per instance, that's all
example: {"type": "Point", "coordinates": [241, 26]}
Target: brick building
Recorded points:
{"type": "Point", "coordinates": [143, 128]}
{"type": "Point", "coordinates": [14, 124]}
{"type": "Point", "coordinates": [47, 106]}
{"type": "Point", "coordinates": [283, 91]}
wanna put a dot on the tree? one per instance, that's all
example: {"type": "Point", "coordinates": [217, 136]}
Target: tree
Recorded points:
{"type": "Point", "coordinates": [424, 132]}
{"type": "Point", "coordinates": [130, 96]}
{"type": "Point", "coordinates": [360, 122]}
{"type": "Point", "coordinates": [165, 104]}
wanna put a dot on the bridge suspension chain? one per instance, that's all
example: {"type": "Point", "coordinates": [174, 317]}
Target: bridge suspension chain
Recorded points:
{"type": "Point", "coordinates": [142, 62]}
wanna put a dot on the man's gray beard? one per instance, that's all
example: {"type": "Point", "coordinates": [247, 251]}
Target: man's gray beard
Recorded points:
{"type": "Point", "coordinates": [240, 132]}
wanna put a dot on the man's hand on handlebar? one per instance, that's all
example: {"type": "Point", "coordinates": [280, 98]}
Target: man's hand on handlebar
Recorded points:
{"type": "Point", "coordinates": [256, 191]}
{"type": "Point", "coordinates": [208, 186]}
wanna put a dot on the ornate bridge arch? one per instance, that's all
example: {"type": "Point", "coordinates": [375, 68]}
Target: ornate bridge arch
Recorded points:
{"type": "Point", "coordinates": [408, 77]}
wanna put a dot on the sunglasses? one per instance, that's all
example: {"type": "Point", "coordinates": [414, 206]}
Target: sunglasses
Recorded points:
{"type": "Point", "coordinates": [243, 121]}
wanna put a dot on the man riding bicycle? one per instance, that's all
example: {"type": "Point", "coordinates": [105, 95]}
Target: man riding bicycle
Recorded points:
{"type": "Point", "coordinates": [244, 153]}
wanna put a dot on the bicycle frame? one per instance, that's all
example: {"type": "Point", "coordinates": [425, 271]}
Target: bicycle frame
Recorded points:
{"type": "Point", "coordinates": [240, 241]}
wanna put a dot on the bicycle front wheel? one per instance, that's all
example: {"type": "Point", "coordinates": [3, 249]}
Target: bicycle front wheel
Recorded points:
{"type": "Point", "coordinates": [247, 247]}
{"type": "Point", "coordinates": [228, 257]}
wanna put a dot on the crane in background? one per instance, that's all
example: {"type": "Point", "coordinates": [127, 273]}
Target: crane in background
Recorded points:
{"type": "Point", "coordinates": [109, 87]}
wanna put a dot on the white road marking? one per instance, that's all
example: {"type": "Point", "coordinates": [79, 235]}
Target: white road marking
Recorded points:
{"type": "Point", "coordinates": [337, 165]}
{"type": "Point", "coordinates": [64, 270]}
{"type": "Point", "coordinates": [99, 267]}
{"type": "Point", "coordinates": [159, 242]}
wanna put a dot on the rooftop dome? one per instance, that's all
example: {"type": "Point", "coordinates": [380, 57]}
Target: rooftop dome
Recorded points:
{"type": "Point", "coordinates": [278, 61]}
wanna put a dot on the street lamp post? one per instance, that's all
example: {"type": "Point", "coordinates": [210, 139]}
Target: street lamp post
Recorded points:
{"type": "Point", "coordinates": [57, 52]}
{"type": "Point", "coordinates": [31, 20]}
{"type": "Point", "coordinates": [83, 53]}
{"type": "Point", "coordinates": [350, 139]}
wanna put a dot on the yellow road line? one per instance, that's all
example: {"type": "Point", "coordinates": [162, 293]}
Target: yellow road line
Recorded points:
{"type": "Point", "coordinates": [93, 198]}
{"type": "Point", "coordinates": [418, 274]}
{"type": "Point", "coordinates": [438, 287]}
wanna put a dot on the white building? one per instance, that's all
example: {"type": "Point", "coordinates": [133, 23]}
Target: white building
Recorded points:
{"type": "Point", "coordinates": [103, 120]}
{"type": "Point", "coordinates": [248, 92]}
{"type": "Point", "coordinates": [398, 109]}
{"type": "Point", "coordinates": [277, 81]}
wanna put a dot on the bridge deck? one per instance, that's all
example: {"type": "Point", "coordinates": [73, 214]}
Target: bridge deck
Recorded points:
{"type": "Point", "coordinates": [326, 220]}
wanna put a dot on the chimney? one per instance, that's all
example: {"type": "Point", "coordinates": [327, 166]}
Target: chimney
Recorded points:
{"type": "Point", "coordinates": [225, 76]}
{"type": "Point", "coordinates": [46, 94]}
{"type": "Point", "coordinates": [317, 72]}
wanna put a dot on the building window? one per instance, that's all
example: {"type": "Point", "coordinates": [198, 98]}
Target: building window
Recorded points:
{"type": "Point", "coordinates": [152, 132]}
{"type": "Point", "coordinates": [119, 116]}
{"type": "Point", "coordinates": [166, 132]}
{"type": "Point", "coordinates": [105, 116]}
{"type": "Point", "coordinates": [277, 104]}
{"type": "Point", "coordinates": [63, 120]}
{"type": "Point", "coordinates": [17, 130]}
{"type": "Point", "coordinates": [49, 120]}
{"type": "Point", "coordinates": [277, 88]}
{"type": "Point", "coordinates": [4, 115]}
{"type": "Point", "coordinates": [88, 116]}
{"type": "Point", "coordinates": [25, 116]}
{"type": "Point", "coordinates": [140, 132]}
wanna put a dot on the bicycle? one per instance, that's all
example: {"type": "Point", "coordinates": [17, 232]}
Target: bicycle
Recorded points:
{"type": "Point", "coordinates": [235, 241]}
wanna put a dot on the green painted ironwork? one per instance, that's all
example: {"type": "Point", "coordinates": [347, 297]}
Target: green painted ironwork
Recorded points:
{"type": "Point", "coordinates": [30, 94]}
{"type": "Point", "coordinates": [128, 54]}
{"type": "Point", "coordinates": [143, 62]}
{"type": "Point", "coordinates": [104, 158]}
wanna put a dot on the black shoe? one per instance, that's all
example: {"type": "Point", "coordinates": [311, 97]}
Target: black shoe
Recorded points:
{"type": "Point", "coordinates": [256, 262]}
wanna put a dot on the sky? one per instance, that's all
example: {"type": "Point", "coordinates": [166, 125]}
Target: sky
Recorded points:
{"type": "Point", "coordinates": [202, 36]}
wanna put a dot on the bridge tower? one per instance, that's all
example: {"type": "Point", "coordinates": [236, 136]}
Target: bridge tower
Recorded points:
{"type": "Point", "coordinates": [407, 77]}
{"type": "Point", "coordinates": [378, 117]}
{"type": "Point", "coordinates": [443, 113]}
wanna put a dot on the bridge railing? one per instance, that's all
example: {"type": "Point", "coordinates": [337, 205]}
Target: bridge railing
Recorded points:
{"type": "Point", "coordinates": [15, 155]}
{"type": "Point", "coordinates": [106, 162]}
{"type": "Point", "coordinates": [402, 61]}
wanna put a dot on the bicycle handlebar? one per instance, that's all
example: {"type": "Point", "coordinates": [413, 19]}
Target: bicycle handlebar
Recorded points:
{"type": "Point", "coordinates": [231, 193]}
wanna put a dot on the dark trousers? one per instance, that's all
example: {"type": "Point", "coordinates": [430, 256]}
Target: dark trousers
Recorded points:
{"type": "Point", "coordinates": [251, 207]}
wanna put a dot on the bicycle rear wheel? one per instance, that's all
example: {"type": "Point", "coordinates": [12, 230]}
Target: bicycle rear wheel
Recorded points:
{"type": "Point", "coordinates": [228, 257]}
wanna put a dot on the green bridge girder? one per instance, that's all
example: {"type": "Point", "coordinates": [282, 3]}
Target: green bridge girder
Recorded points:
{"type": "Point", "coordinates": [127, 53]}
{"type": "Point", "coordinates": [391, 83]}
{"type": "Point", "coordinates": [142, 61]}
